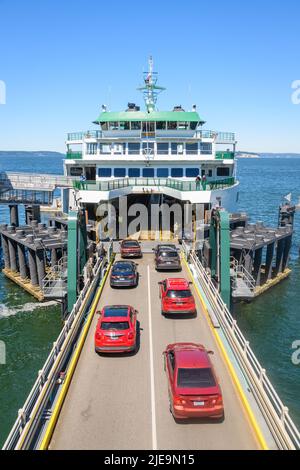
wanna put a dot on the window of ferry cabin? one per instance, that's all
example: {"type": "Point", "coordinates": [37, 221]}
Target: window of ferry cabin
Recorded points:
{"type": "Point", "coordinates": [148, 172]}
{"type": "Point", "coordinates": [162, 172]}
{"type": "Point", "coordinates": [223, 171]}
{"type": "Point", "coordinates": [176, 148]}
{"type": "Point", "coordinates": [134, 172]}
{"type": "Point", "coordinates": [133, 149]}
{"type": "Point", "coordinates": [177, 172]}
{"type": "Point", "coordinates": [191, 149]}
{"type": "Point", "coordinates": [163, 148]}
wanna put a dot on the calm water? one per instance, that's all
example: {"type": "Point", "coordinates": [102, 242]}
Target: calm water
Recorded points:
{"type": "Point", "coordinates": [271, 322]}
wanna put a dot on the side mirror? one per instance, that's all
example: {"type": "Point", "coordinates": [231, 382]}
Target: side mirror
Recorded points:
{"type": "Point", "coordinates": [98, 312]}
{"type": "Point", "coordinates": [190, 283]}
{"type": "Point", "coordinates": [136, 312]}
{"type": "Point", "coordinates": [210, 352]}
{"type": "Point", "coordinates": [159, 283]}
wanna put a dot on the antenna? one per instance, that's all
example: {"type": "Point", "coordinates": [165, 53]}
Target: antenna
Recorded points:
{"type": "Point", "coordinates": [150, 89]}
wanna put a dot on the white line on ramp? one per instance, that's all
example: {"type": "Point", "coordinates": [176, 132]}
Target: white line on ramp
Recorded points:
{"type": "Point", "coordinates": [153, 415]}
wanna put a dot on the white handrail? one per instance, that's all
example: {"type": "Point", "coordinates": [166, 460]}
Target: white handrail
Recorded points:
{"type": "Point", "coordinates": [276, 414]}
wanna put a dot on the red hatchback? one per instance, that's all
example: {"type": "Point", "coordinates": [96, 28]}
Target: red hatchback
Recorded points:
{"type": "Point", "coordinates": [176, 297]}
{"type": "Point", "coordinates": [194, 391]}
{"type": "Point", "coordinates": [130, 249]}
{"type": "Point", "coordinates": [116, 329]}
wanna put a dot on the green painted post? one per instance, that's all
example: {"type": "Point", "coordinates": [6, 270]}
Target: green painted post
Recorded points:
{"type": "Point", "coordinates": [213, 245]}
{"type": "Point", "coordinates": [72, 258]}
{"type": "Point", "coordinates": [225, 257]}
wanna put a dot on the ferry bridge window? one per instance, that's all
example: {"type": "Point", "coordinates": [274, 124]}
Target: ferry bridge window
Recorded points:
{"type": "Point", "coordinates": [120, 172]}
{"type": "Point", "coordinates": [104, 126]}
{"type": "Point", "coordinates": [210, 173]}
{"type": "Point", "coordinates": [125, 126]}
{"type": "Point", "coordinates": [163, 148]}
{"type": "Point", "coordinates": [148, 172]}
{"type": "Point", "coordinates": [192, 172]}
{"type": "Point", "coordinates": [206, 148]}
{"type": "Point", "coordinates": [162, 172]}
{"type": "Point", "coordinates": [148, 126]}
{"type": "Point", "coordinates": [172, 125]}
{"type": "Point", "coordinates": [135, 125]}
{"type": "Point", "coordinates": [193, 125]}
{"type": "Point", "coordinates": [161, 125]}
{"type": "Point", "coordinates": [177, 172]}
{"type": "Point", "coordinates": [191, 149]}
{"type": "Point", "coordinates": [105, 149]}
{"type": "Point", "coordinates": [222, 171]}
{"type": "Point", "coordinates": [133, 149]}
{"type": "Point", "coordinates": [113, 126]}
{"type": "Point", "coordinates": [176, 148]}
{"type": "Point", "coordinates": [134, 172]}
{"type": "Point", "coordinates": [183, 125]}
{"type": "Point", "coordinates": [104, 172]}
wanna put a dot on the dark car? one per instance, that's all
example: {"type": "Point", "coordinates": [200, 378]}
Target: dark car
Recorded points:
{"type": "Point", "coordinates": [130, 249]}
{"type": "Point", "coordinates": [167, 260]}
{"type": "Point", "coordinates": [164, 246]}
{"type": "Point", "coordinates": [124, 274]}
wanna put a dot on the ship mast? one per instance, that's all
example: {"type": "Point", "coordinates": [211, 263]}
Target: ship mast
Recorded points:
{"type": "Point", "coordinates": [150, 89]}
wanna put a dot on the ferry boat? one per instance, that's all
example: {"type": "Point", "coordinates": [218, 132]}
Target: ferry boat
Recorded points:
{"type": "Point", "coordinates": [151, 157]}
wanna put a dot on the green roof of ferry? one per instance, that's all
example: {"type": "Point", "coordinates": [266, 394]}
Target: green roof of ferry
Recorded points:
{"type": "Point", "coordinates": [175, 116]}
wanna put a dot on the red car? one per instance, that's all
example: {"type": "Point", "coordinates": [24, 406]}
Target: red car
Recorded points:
{"type": "Point", "coordinates": [116, 329]}
{"type": "Point", "coordinates": [130, 249]}
{"type": "Point", "coordinates": [194, 391]}
{"type": "Point", "coordinates": [176, 297]}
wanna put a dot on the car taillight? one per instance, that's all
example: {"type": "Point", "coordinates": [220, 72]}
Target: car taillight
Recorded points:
{"type": "Point", "coordinates": [98, 335]}
{"type": "Point", "coordinates": [130, 335]}
{"type": "Point", "coordinates": [179, 401]}
{"type": "Point", "coordinates": [217, 400]}
{"type": "Point", "coordinates": [131, 276]}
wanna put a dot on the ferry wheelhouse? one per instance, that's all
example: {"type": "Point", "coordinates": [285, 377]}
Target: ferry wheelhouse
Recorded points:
{"type": "Point", "coordinates": [151, 156]}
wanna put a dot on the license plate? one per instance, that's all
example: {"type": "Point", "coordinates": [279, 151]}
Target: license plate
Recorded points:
{"type": "Point", "coordinates": [199, 403]}
{"type": "Point", "coordinates": [122, 279]}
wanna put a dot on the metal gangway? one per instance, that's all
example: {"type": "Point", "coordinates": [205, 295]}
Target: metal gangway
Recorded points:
{"type": "Point", "coordinates": [31, 188]}
{"type": "Point", "coordinates": [122, 402]}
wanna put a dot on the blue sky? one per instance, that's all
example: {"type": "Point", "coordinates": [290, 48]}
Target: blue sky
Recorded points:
{"type": "Point", "coordinates": [60, 60]}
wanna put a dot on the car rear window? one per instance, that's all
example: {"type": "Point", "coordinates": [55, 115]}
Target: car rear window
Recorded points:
{"type": "Point", "coordinates": [115, 312]}
{"type": "Point", "coordinates": [114, 325]}
{"type": "Point", "coordinates": [195, 378]}
{"type": "Point", "coordinates": [179, 294]}
{"type": "Point", "coordinates": [131, 244]}
{"type": "Point", "coordinates": [122, 268]}
{"type": "Point", "coordinates": [168, 254]}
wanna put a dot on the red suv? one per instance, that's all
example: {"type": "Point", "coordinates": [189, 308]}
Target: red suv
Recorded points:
{"type": "Point", "coordinates": [176, 297]}
{"type": "Point", "coordinates": [194, 391]}
{"type": "Point", "coordinates": [116, 330]}
{"type": "Point", "coordinates": [130, 249]}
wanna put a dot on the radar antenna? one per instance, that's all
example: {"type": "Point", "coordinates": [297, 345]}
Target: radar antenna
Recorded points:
{"type": "Point", "coordinates": [150, 89]}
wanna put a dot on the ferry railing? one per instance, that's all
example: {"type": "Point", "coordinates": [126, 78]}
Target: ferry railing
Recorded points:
{"type": "Point", "coordinates": [30, 415]}
{"type": "Point", "coordinates": [184, 185]}
{"type": "Point", "coordinates": [276, 414]}
{"type": "Point", "coordinates": [94, 134]}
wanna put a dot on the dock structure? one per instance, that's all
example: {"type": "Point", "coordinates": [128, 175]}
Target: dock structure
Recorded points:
{"type": "Point", "coordinates": [260, 254]}
{"type": "Point", "coordinates": [30, 253]}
